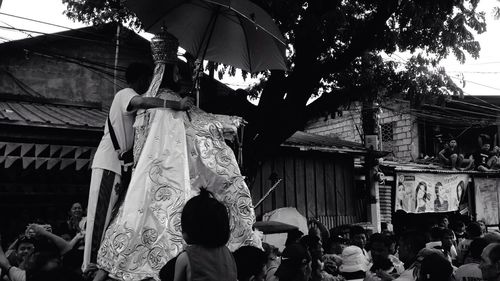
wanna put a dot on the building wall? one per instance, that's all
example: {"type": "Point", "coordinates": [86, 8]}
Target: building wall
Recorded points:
{"type": "Point", "coordinates": [399, 128]}
{"type": "Point", "coordinates": [344, 126]}
{"type": "Point", "coordinates": [318, 185]}
{"type": "Point", "coordinates": [68, 68]}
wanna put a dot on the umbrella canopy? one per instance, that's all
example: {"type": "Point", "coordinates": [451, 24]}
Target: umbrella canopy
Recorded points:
{"type": "Point", "coordinates": [270, 227]}
{"type": "Point", "coordinates": [288, 216]}
{"type": "Point", "coordinates": [233, 32]}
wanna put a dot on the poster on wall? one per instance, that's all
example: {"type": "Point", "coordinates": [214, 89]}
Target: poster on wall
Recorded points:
{"type": "Point", "coordinates": [486, 192]}
{"type": "Point", "coordinates": [429, 193]}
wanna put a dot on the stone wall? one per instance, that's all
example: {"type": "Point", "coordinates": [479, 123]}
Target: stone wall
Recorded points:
{"type": "Point", "coordinates": [399, 128]}
{"type": "Point", "coordinates": [347, 126]}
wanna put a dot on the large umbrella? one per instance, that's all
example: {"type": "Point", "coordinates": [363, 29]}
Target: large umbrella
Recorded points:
{"type": "Point", "coordinates": [233, 32]}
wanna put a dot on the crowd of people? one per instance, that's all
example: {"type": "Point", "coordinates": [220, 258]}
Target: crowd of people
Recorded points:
{"type": "Point", "coordinates": [484, 159]}
{"type": "Point", "coordinates": [348, 252]}
{"type": "Point", "coordinates": [185, 213]}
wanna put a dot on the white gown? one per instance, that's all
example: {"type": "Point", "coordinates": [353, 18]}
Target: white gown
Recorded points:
{"type": "Point", "coordinates": [175, 158]}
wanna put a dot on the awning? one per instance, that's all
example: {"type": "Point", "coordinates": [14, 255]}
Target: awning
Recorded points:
{"type": "Point", "coordinates": [46, 156]}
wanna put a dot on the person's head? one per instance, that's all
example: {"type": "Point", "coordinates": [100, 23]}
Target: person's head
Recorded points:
{"type": "Point", "coordinates": [447, 238]}
{"type": "Point", "coordinates": [358, 236]}
{"type": "Point", "coordinates": [76, 210]}
{"type": "Point", "coordinates": [313, 244]}
{"type": "Point", "coordinates": [293, 237]}
{"type": "Point", "coordinates": [492, 237]}
{"type": "Point", "coordinates": [435, 267]}
{"type": "Point", "coordinates": [410, 243]}
{"type": "Point", "coordinates": [295, 263]}
{"type": "Point", "coordinates": [379, 246]}
{"type": "Point", "coordinates": [250, 263]}
{"type": "Point", "coordinates": [271, 253]}
{"type": "Point", "coordinates": [473, 230]}
{"type": "Point", "coordinates": [484, 228]}
{"type": "Point", "coordinates": [47, 265]}
{"type": "Point", "coordinates": [476, 248]}
{"type": "Point", "coordinates": [353, 263]}
{"type": "Point", "coordinates": [171, 77]}
{"type": "Point", "coordinates": [444, 222]}
{"type": "Point", "coordinates": [43, 261]}
{"type": "Point", "coordinates": [459, 227]}
{"type": "Point", "coordinates": [436, 233]}
{"type": "Point", "coordinates": [490, 262]}
{"type": "Point", "coordinates": [205, 221]}
{"type": "Point", "coordinates": [384, 264]}
{"type": "Point", "coordinates": [438, 189]}
{"type": "Point", "coordinates": [341, 230]}
{"type": "Point", "coordinates": [336, 244]}
{"type": "Point", "coordinates": [138, 76]}
{"type": "Point", "coordinates": [453, 143]}
{"type": "Point", "coordinates": [24, 247]}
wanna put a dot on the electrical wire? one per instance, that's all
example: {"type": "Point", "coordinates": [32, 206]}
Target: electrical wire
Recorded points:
{"type": "Point", "coordinates": [476, 83]}
{"type": "Point", "coordinates": [25, 88]}
{"type": "Point", "coordinates": [475, 72]}
{"type": "Point", "coordinates": [60, 35]}
{"type": "Point", "coordinates": [47, 23]}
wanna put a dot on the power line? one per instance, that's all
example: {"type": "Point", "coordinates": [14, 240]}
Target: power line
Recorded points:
{"type": "Point", "coordinates": [479, 84]}
{"type": "Point", "coordinates": [50, 34]}
{"type": "Point", "coordinates": [478, 72]}
{"type": "Point", "coordinates": [34, 20]}
{"type": "Point", "coordinates": [29, 35]}
{"type": "Point", "coordinates": [106, 43]}
{"type": "Point", "coordinates": [51, 24]}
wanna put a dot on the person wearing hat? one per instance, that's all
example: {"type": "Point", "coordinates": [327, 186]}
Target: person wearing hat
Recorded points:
{"type": "Point", "coordinates": [354, 263]}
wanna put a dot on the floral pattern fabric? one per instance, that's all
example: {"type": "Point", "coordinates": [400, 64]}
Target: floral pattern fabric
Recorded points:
{"type": "Point", "coordinates": [176, 155]}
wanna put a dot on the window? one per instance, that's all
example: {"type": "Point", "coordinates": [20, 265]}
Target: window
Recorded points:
{"type": "Point", "coordinates": [387, 132]}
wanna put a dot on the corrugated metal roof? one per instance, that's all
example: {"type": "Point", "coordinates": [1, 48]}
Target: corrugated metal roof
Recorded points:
{"type": "Point", "coordinates": [40, 114]}
{"type": "Point", "coordinates": [307, 141]}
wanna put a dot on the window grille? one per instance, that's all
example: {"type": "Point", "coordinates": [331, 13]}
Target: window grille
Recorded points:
{"type": "Point", "coordinates": [387, 132]}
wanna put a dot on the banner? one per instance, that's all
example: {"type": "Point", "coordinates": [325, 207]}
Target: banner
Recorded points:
{"type": "Point", "coordinates": [429, 193]}
{"type": "Point", "coordinates": [486, 192]}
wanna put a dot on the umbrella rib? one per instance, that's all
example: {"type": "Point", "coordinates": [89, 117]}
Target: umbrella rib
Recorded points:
{"type": "Point", "coordinates": [247, 18]}
{"type": "Point", "coordinates": [213, 21]}
{"type": "Point", "coordinates": [246, 42]}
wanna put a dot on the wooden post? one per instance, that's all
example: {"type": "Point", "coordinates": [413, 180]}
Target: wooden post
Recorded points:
{"type": "Point", "coordinates": [370, 123]}
{"type": "Point", "coordinates": [117, 51]}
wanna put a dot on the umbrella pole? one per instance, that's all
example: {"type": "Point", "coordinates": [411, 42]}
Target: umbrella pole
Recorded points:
{"type": "Point", "coordinates": [212, 22]}
{"type": "Point", "coordinates": [267, 194]}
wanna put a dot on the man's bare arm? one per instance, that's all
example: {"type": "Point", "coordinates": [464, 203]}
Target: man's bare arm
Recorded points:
{"type": "Point", "coordinates": [139, 102]}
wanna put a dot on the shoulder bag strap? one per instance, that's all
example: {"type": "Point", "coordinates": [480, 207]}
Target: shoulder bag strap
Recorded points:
{"type": "Point", "coordinates": [113, 136]}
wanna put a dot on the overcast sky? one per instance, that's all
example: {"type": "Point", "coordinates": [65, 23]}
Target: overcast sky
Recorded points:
{"type": "Point", "coordinates": [482, 76]}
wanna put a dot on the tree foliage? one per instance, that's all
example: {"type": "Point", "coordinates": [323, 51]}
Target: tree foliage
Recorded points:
{"type": "Point", "coordinates": [336, 49]}
{"type": "Point", "coordinates": [98, 12]}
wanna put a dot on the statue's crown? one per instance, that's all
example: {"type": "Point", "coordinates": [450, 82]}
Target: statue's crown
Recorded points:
{"type": "Point", "coordinates": [164, 47]}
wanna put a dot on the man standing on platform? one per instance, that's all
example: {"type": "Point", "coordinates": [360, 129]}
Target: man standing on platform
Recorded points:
{"type": "Point", "coordinates": [111, 167]}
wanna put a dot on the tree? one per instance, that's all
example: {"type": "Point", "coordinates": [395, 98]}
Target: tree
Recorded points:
{"type": "Point", "coordinates": [336, 50]}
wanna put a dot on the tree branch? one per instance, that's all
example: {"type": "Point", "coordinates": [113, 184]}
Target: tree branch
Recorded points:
{"type": "Point", "coordinates": [365, 40]}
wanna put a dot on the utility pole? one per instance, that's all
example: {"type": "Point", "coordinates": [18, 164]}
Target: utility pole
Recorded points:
{"type": "Point", "coordinates": [371, 128]}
